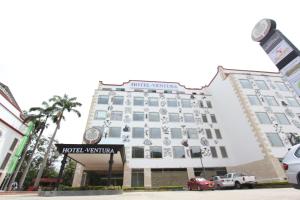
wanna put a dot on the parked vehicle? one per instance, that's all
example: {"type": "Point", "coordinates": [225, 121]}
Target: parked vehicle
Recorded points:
{"type": "Point", "coordinates": [200, 184]}
{"type": "Point", "coordinates": [291, 165]}
{"type": "Point", "coordinates": [218, 182]}
{"type": "Point", "coordinates": [236, 180]}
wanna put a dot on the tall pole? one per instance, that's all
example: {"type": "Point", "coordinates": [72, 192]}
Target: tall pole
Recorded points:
{"type": "Point", "coordinates": [203, 169]}
{"type": "Point", "coordinates": [62, 167]}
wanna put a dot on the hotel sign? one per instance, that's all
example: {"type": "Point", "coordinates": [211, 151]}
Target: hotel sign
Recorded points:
{"type": "Point", "coordinates": [153, 85]}
{"type": "Point", "coordinates": [88, 148]}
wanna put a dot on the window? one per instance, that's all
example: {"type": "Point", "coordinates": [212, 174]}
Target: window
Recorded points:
{"type": "Point", "coordinates": [263, 118]}
{"type": "Point", "coordinates": [297, 153]}
{"type": "Point", "coordinates": [246, 83]}
{"type": "Point", "coordinates": [196, 152]}
{"type": "Point", "coordinates": [201, 104]}
{"type": "Point", "coordinates": [281, 86]}
{"type": "Point", "coordinates": [116, 115]}
{"type": "Point", "coordinates": [138, 101]}
{"type": "Point", "coordinates": [218, 134]}
{"type": "Point", "coordinates": [13, 144]}
{"type": "Point", "coordinates": [178, 152]}
{"type": "Point", "coordinates": [271, 101]}
{"type": "Point", "coordinates": [154, 132]}
{"type": "Point", "coordinates": [208, 103]}
{"type": "Point", "coordinates": [204, 118]}
{"type": "Point", "coordinates": [103, 99]}
{"type": "Point", "coordinates": [176, 133]}
{"type": "Point", "coordinates": [171, 102]}
{"type": "Point", "coordinates": [137, 132]}
{"type": "Point", "coordinates": [138, 116]}
{"type": "Point", "coordinates": [173, 117]}
{"type": "Point", "coordinates": [192, 133]}
{"type": "Point", "coordinates": [186, 103]}
{"type": "Point", "coordinates": [223, 152]}
{"type": "Point", "coordinates": [118, 100]}
{"type": "Point", "coordinates": [292, 102]}
{"type": "Point", "coordinates": [281, 118]}
{"type": "Point", "coordinates": [208, 133]}
{"type": "Point", "coordinates": [120, 89]}
{"type": "Point", "coordinates": [155, 152]}
{"type": "Point", "coordinates": [5, 161]}
{"type": "Point", "coordinates": [100, 114]}
{"type": "Point", "coordinates": [274, 139]}
{"type": "Point", "coordinates": [213, 118]}
{"type": "Point", "coordinates": [154, 117]}
{"type": "Point", "coordinates": [213, 152]}
{"type": "Point", "coordinates": [153, 101]}
{"type": "Point", "coordinates": [188, 117]}
{"type": "Point", "coordinates": [261, 84]}
{"type": "Point", "coordinates": [254, 100]}
{"type": "Point", "coordinates": [115, 132]}
{"type": "Point", "coordinates": [137, 152]}
{"type": "Point", "coordinates": [137, 178]}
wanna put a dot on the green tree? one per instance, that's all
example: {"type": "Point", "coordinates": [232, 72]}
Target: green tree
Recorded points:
{"type": "Point", "coordinates": [69, 173]}
{"type": "Point", "coordinates": [61, 105]}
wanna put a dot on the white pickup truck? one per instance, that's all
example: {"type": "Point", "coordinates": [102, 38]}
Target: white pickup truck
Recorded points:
{"type": "Point", "coordinates": [236, 180]}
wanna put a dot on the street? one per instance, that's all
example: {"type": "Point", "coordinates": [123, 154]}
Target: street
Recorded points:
{"type": "Point", "coordinates": [251, 194]}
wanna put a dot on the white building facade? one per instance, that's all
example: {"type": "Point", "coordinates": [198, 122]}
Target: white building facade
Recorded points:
{"type": "Point", "coordinates": [242, 121]}
{"type": "Point", "coordinates": [11, 128]}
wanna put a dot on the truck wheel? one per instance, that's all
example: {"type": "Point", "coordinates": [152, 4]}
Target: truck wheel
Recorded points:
{"type": "Point", "coordinates": [237, 185]}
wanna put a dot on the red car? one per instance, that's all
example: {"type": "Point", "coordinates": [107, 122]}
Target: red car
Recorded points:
{"type": "Point", "coordinates": [200, 184]}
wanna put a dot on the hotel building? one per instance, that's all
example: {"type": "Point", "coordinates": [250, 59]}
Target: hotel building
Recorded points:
{"type": "Point", "coordinates": [243, 121]}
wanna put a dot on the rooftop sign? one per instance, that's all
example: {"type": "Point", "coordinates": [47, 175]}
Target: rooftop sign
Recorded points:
{"type": "Point", "coordinates": [153, 85]}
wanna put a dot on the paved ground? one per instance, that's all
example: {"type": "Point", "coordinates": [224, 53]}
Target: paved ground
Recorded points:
{"type": "Point", "coordinates": [254, 194]}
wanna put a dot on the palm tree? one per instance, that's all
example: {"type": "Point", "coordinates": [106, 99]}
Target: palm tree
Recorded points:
{"type": "Point", "coordinates": [60, 104]}
{"type": "Point", "coordinates": [45, 112]}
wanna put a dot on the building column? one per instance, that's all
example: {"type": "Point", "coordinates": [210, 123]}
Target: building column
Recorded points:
{"type": "Point", "coordinates": [126, 175]}
{"type": "Point", "coordinates": [147, 178]}
{"type": "Point", "coordinates": [78, 175]}
{"type": "Point", "coordinates": [191, 173]}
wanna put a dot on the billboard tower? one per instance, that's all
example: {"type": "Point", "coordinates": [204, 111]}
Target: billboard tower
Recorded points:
{"type": "Point", "coordinates": [281, 51]}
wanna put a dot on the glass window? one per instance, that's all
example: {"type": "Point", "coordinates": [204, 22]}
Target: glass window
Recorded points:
{"type": "Point", "coordinates": [195, 152]}
{"type": "Point", "coordinates": [281, 86]}
{"type": "Point", "coordinates": [154, 117]}
{"type": "Point", "coordinates": [208, 103]}
{"type": "Point", "coordinates": [223, 152]}
{"type": "Point", "coordinates": [103, 99]}
{"type": "Point", "coordinates": [5, 161]}
{"type": "Point", "coordinates": [13, 144]}
{"type": "Point", "coordinates": [263, 118]}
{"type": "Point", "coordinates": [281, 118]}
{"type": "Point", "coordinates": [155, 152]}
{"type": "Point", "coordinates": [115, 132]}
{"type": "Point", "coordinates": [245, 83]}
{"type": "Point", "coordinates": [213, 152]}
{"type": "Point", "coordinates": [137, 132]}
{"type": "Point", "coordinates": [292, 102]}
{"type": "Point", "coordinates": [192, 133]}
{"type": "Point", "coordinates": [138, 101]}
{"type": "Point", "coordinates": [172, 102]}
{"type": "Point", "coordinates": [137, 177]}
{"type": "Point", "coordinates": [261, 85]}
{"type": "Point", "coordinates": [176, 133]}
{"type": "Point", "coordinates": [208, 133]}
{"type": "Point", "coordinates": [218, 134]}
{"type": "Point", "coordinates": [118, 100]}
{"type": "Point", "coordinates": [254, 100]}
{"type": "Point", "coordinates": [173, 117]}
{"type": "Point", "coordinates": [154, 132]}
{"type": "Point", "coordinates": [213, 118]}
{"type": "Point", "coordinates": [204, 118]}
{"type": "Point", "coordinates": [178, 152]}
{"type": "Point", "coordinates": [297, 153]}
{"type": "Point", "coordinates": [100, 114]}
{"type": "Point", "coordinates": [138, 116]}
{"type": "Point", "coordinates": [186, 103]}
{"type": "Point", "coordinates": [116, 115]}
{"type": "Point", "coordinates": [271, 101]}
{"type": "Point", "coordinates": [201, 104]}
{"type": "Point", "coordinates": [120, 89]}
{"type": "Point", "coordinates": [275, 140]}
{"type": "Point", "coordinates": [137, 152]}
{"type": "Point", "coordinates": [153, 101]}
{"type": "Point", "coordinates": [188, 117]}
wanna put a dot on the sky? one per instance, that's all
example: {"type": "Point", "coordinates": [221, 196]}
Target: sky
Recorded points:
{"type": "Point", "coordinates": [66, 47]}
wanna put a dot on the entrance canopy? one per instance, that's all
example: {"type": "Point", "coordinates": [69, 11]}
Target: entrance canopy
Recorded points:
{"type": "Point", "coordinates": [95, 156]}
